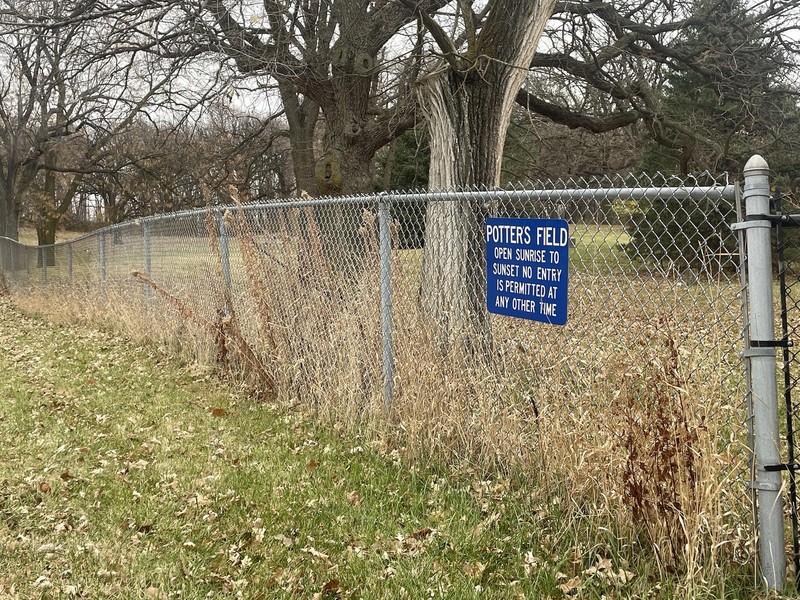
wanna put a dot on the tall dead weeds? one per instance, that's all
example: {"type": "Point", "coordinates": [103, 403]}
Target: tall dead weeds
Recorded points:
{"type": "Point", "coordinates": [626, 434]}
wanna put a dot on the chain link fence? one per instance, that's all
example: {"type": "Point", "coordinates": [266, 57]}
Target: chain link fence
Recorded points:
{"type": "Point", "coordinates": [373, 310]}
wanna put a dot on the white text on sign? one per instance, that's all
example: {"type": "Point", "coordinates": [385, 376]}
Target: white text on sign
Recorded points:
{"type": "Point", "coordinates": [527, 262]}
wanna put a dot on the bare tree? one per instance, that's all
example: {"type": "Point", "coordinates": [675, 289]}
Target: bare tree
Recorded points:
{"type": "Point", "coordinates": [327, 58]}
{"type": "Point", "coordinates": [147, 170]}
{"type": "Point", "coordinates": [538, 149]}
{"type": "Point", "coordinates": [606, 65]}
{"type": "Point", "coordinates": [71, 81]}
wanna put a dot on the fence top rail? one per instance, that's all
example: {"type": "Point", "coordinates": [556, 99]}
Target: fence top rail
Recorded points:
{"type": "Point", "coordinates": [715, 192]}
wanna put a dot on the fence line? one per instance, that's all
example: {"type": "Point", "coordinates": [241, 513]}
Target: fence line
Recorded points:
{"type": "Point", "coordinates": [343, 303]}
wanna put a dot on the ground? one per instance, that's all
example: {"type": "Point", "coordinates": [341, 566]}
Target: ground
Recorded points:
{"type": "Point", "coordinates": [127, 474]}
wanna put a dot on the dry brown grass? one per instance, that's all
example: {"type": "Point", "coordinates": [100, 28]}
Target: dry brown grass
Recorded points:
{"type": "Point", "coordinates": [628, 417]}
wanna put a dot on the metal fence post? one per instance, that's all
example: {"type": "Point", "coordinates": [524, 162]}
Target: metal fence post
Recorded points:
{"type": "Point", "coordinates": [102, 260]}
{"type": "Point", "coordinates": [43, 259]}
{"type": "Point", "coordinates": [69, 261]}
{"type": "Point", "coordinates": [148, 291]}
{"type": "Point", "coordinates": [385, 252]}
{"type": "Point", "coordinates": [761, 355]}
{"type": "Point", "coordinates": [224, 253]}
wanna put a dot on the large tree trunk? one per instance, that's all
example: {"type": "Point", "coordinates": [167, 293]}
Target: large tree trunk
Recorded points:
{"type": "Point", "coordinates": [466, 147]}
{"type": "Point", "coordinates": [345, 168]}
{"type": "Point", "coordinates": [47, 220]}
{"type": "Point", "coordinates": [468, 108]}
{"type": "Point", "coordinates": [46, 237]}
{"type": "Point", "coordinates": [51, 211]}
{"type": "Point", "coordinates": [302, 118]}
{"type": "Point", "coordinates": [9, 228]}
{"type": "Point", "coordinates": [9, 213]}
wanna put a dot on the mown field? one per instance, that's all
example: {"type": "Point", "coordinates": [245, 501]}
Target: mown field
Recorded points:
{"type": "Point", "coordinates": [604, 458]}
{"type": "Point", "coordinates": [126, 474]}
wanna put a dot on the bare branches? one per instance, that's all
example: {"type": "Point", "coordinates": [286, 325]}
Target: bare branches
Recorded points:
{"type": "Point", "coordinates": [602, 63]}
{"type": "Point", "coordinates": [575, 119]}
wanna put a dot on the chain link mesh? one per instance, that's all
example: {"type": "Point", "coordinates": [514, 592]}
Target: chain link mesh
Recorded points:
{"type": "Point", "coordinates": [787, 240]}
{"type": "Point", "coordinates": [637, 402]}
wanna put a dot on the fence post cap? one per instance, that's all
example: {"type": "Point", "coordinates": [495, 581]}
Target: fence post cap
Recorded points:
{"type": "Point", "coordinates": [756, 163]}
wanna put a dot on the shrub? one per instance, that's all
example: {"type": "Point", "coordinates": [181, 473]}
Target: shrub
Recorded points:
{"type": "Point", "coordinates": [682, 235]}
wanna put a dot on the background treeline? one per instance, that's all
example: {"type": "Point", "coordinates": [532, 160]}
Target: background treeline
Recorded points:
{"type": "Point", "coordinates": [112, 112]}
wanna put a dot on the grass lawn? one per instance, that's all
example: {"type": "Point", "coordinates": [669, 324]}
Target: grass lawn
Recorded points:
{"type": "Point", "coordinates": [126, 474]}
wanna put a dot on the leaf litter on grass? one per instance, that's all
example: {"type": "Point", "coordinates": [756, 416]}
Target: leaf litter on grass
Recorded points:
{"type": "Point", "coordinates": [126, 474]}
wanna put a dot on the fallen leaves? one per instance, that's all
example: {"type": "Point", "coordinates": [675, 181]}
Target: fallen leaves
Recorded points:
{"type": "Point", "coordinates": [154, 593]}
{"type": "Point", "coordinates": [199, 500]}
{"type": "Point", "coordinates": [131, 525]}
{"type": "Point", "coordinates": [106, 573]}
{"type": "Point", "coordinates": [421, 533]}
{"type": "Point", "coordinates": [407, 545]}
{"type": "Point", "coordinates": [48, 549]}
{"type": "Point", "coordinates": [531, 562]}
{"type": "Point", "coordinates": [604, 569]}
{"type": "Point", "coordinates": [376, 524]}
{"type": "Point", "coordinates": [287, 541]}
{"type": "Point", "coordinates": [329, 590]}
{"type": "Point", "coordinates": [316, 553]}
{"type": "Point", "coordinates": [602, 572]}
{"type": "Point", "coordinates": [570, 586]}
{"type": "Point", "coordinates": [42, 582]}
{"type": "Point", "coordinates": [474, 569]}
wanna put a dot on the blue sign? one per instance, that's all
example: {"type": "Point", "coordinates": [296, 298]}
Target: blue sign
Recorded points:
{"type": "Point", "coordinates": [526, 268]}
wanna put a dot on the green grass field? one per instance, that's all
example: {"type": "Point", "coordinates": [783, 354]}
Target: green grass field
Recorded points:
{"type": "Point", "coordinates": [128, 475]}
{"type": "Point", "coordinates": [603, 458]}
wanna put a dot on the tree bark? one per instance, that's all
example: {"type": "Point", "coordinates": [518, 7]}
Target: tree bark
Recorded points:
{"type": "Point", "coordinates": [9, 227]}
{"type": "Point", "coordinates": [345, 166]}
{"type": "Point", "coordinates": [52, 209]}
{"type": "Point", "coordinates": [453, 268]}
{"type": "Point", "coordinates": [468, 104]}
{"type": "Point", "coordinates": [302, 118]}
{"type": "Point", "coordinates": [344, 169]}
{"type": "Point", "coordinates": [9, 213]}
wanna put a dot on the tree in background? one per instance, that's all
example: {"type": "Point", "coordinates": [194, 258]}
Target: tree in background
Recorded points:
{"type": "Point", "coordinates": [328, 58]}
{"type": "Point", "coordinates": [69, 85]}
{"type": "Point", "coordinates": [735, 102]}
{"type": "Point", "coordinates": [605, 66]}
{"type": "Point", "coordinates": [150, 170]}
{"type": "Point", "coordinates": [537, 149]}
{"type": "Point", "coordinates": [683, 235]}
{"type": "Point", "coordinates": [707, 82]}
{"type": "Point", "coordinates": [333, 67]}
